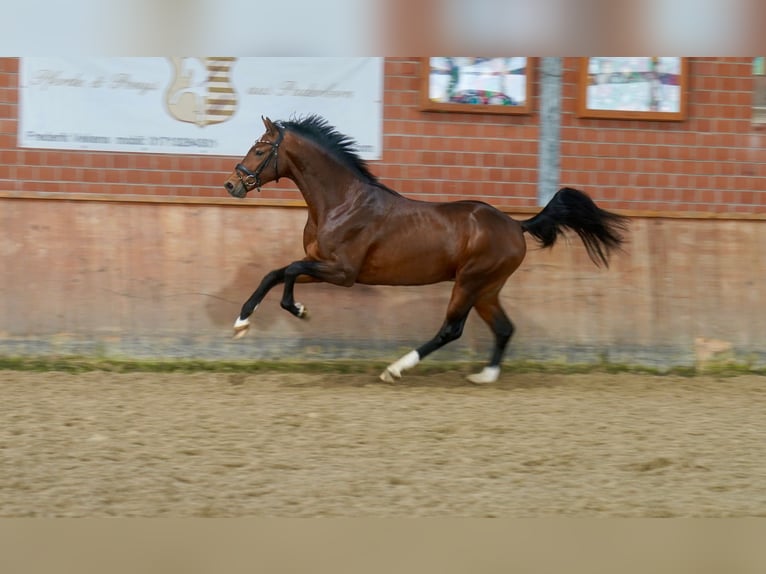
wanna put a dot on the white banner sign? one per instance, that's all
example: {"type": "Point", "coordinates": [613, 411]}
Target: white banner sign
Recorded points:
{"type": "Point", "coordinates": [209, 106]}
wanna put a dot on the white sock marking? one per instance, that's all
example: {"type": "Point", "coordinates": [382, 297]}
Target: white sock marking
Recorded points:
{"type": "Point", "coordinates": [394, 370]}
{"type": "Point", "coordinates": [242, 324]}
{"type": "Point", "coordinates": [487, 375]}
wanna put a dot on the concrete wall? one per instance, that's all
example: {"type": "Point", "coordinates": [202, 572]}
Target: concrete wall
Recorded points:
{"type": "Point", "coordinates": [160, 279]}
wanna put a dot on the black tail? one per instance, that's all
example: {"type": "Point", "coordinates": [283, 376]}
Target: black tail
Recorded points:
{"type": "Point", "coordinates": [599, 230]}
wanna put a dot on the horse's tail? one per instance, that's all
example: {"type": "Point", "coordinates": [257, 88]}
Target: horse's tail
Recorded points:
{"type": "Point", "coordinates": [600, 230]}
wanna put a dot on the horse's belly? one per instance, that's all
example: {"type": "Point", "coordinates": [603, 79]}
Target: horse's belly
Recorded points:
{"type": "Point", "coordinates": [406, 267]}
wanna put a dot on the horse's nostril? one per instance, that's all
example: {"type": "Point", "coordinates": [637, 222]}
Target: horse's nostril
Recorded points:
{"type": "Point", "coordinates": [228, 185]}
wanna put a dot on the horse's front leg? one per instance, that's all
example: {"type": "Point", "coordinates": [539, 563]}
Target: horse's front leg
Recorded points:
{"type": "Point", "coordinates": [271, 280]}
{"type": "Point", "coordinates": [310, 270]}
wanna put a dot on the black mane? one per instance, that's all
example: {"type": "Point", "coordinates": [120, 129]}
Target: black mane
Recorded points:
{"type": "Point", "coordinates": [343, 147]}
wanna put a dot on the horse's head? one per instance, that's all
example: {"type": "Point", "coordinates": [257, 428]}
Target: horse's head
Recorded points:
{"type": "Point", "coordinates": [251, 173]}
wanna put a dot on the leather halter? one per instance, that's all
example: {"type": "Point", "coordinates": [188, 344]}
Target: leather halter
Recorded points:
{"type": "Point", "coordinates": [252, 179]}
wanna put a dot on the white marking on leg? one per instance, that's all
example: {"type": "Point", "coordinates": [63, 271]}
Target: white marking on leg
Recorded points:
{"type": "Point", "coordinates": [301, 310]}
{"type": "Point", "coordinates": [241, 326]}
{"type": "Point", "coordinates": [487, 375]}
{"type": "Point", "coordinates": [394, 370]}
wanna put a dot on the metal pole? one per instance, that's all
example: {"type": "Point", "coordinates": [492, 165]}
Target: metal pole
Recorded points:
{"type": "Point", "coordinates": [550, 129]}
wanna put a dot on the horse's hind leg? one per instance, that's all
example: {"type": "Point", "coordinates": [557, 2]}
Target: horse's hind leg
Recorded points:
{"type": "Point", "coordinates": [492, 313]}
{"type": "Point", "coordinates": [457, 312]}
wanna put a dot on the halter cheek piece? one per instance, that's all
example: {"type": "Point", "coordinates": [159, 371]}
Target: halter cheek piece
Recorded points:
{"type": "Point", "coordinates": [252, 179]}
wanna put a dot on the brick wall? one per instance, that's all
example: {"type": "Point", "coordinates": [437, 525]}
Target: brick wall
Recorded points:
{"type": "Point", "coordinates": [714, 162]}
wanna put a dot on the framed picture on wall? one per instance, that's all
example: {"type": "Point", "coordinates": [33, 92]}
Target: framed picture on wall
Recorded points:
{"type": "Point", "coordinates": [496, 85]}
{"type": "Point", "coordinates": [640, 88]}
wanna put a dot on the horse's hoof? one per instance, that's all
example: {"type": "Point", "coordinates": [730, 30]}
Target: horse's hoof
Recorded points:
{"type": "Point", "coordinates": [389, 376]}
{"type": "Point", "coordinates": [240, 328]}
{"type": "Point", "coordinates": [302, 313]}
{"type": "Point", "coordinates": [487, 375]}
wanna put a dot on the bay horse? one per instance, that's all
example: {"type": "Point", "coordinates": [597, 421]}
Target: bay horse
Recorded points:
{"type": "Point", "coordinates": [361, 231]}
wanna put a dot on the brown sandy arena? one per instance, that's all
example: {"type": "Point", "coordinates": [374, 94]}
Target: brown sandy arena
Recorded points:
{"type": "Point", "coordinates": [215, 444]}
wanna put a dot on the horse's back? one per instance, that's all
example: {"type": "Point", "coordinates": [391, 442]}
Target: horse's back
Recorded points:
{"type": "Point", "coordinates": [428, 242]}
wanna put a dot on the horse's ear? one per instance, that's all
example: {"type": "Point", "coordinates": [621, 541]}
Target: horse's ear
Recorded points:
{"type": "Point", "coordinates": [269, 124]}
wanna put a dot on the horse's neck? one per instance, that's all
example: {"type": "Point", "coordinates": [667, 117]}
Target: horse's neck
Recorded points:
{"type": "Point", "coordinates": [325, 184]}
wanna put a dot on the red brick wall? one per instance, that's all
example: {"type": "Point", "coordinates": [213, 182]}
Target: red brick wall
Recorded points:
{"type": "Point", "coordinates": [715, 161]}
{"type": "Point", "coordinates": [431, 155]}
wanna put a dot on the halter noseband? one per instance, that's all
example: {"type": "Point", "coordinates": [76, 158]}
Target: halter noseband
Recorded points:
{"type": "Point", "coordinates": [252, 179]}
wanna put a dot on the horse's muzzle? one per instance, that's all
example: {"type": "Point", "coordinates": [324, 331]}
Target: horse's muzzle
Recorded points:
{"type": "Point", "coordinates": [236, 190]}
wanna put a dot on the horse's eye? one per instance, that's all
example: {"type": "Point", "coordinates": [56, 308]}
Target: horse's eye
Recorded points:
{"type": "Point", "coordinates": [259, 152]}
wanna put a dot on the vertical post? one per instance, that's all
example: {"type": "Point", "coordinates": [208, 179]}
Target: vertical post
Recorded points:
{"type": "Point", "coordinates": [549, 158]}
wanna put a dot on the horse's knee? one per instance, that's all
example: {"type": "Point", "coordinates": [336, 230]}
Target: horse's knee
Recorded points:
{"type": "Point", "coordinates": [274, 277]}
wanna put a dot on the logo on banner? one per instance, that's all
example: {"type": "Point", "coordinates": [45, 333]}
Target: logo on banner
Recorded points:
{"type": "Point", "coordinates": [201, 91]}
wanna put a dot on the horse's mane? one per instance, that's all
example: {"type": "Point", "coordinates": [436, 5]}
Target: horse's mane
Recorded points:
{"type": "Point", "coordinates": [342, 146]}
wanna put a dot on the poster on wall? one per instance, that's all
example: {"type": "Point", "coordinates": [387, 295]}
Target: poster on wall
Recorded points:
{"type": "Point", "coordinates": [651, 88]}
{"type": "Point", "coordinates": [210, 106]}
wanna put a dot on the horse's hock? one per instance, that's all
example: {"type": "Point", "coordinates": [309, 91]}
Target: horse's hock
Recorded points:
{"type": "Point", "coordinates": [172, 277]}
